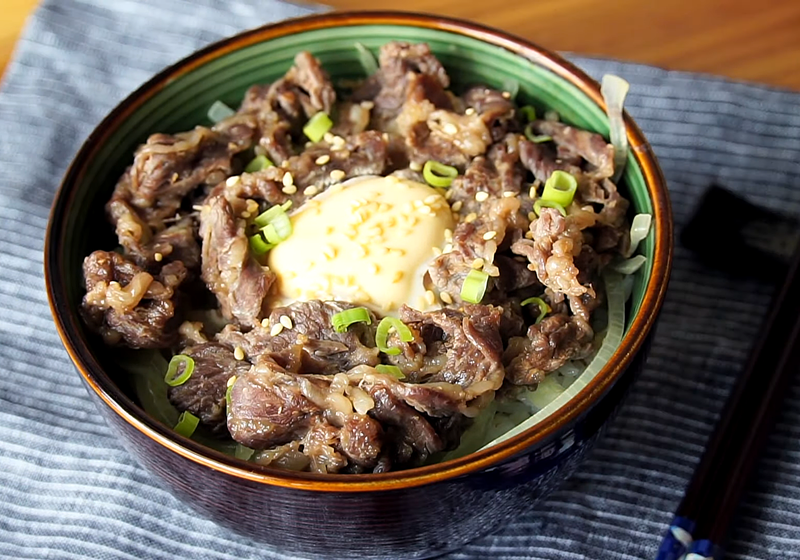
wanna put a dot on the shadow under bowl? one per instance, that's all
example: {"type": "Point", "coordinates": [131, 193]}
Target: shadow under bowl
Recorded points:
{"type": "Point", "coordinates": [416, 513]}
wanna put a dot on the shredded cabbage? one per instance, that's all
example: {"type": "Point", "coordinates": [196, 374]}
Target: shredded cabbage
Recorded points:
{"type": "Point", "coordinates": [629, 266]}
{"type": "Point", "coordinates": [640, 227]}
{"type": "Point", "coordinates": [614, 90]}
{"type": "Point", "coordinates": [367, 59]}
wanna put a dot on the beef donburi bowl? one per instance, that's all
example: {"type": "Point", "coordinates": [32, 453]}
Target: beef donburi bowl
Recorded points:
{"type": "Point", "coordinates": [361, 259]}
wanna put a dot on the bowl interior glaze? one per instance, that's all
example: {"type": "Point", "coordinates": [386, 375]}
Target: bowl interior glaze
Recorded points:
{"type": "Point", "coordinates": [179, 98]}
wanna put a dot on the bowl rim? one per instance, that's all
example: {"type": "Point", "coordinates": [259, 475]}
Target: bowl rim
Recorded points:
{"type": "Point", "coordinates": [581, 403]}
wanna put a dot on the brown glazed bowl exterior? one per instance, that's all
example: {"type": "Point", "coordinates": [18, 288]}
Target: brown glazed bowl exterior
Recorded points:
{"type": "Point", "coordinates": [417, 513]}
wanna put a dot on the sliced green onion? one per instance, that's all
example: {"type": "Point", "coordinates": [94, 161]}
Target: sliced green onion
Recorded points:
{"type": "Point", "coordinates": [390, 370]}
{"type": "Point", "coordinates": [544, 309]}
{"type": "Point", "coordinates": [542, 203]}
{"type": "Point", "coordinates": [474, 287]}
{"type": "Point", "coordinates": [348, 317]}
{"type": "Point", "coordinates": [630, 265]}
{"type": "Point", "coordinates": [367, 59]}
{"type": "Point", "coordinates": [242, 452]}
{"type": "Point", "coordinates": [187, 424]}
{"type": "Point", "coordinates": [382, 335]}
{"type": "Point", "coordinates": [173, 378]}
{"type": "Point", "coordinates": [278, 229]}
{"type": "Point", "coordinates": [539, 139]}
{"type": "Point", "coordinates": [528, 112]}
{"type": "Point", "coordinates": [258, 163]}
{"type": "Point", "coordinates": [258, 246]}
{"type": "Point", "coordinates": [219, 112]}
{"type": "Point", "coordinates": [438, 174]}
{"type": "Point", "coordinates": [317, 126]}
{"type": "Point", "coordinates": [640, 227]}
{"type": "Point", "coordinates": [271, 213]}
{"type": "Point", "coordinates": [560, 188]}
{"type": "Point", "coordinates": [228, 396]}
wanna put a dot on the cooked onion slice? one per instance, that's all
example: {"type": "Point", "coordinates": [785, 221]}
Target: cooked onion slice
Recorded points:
{"type": "Point", "coordinates": [614, 90]}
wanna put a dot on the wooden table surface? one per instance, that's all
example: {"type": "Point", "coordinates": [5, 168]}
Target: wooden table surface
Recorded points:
{"type": "Point", "coordinates": [758, 41]}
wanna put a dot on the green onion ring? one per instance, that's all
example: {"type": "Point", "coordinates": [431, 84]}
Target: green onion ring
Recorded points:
{"type": "Point", "coordinates": [271, 213]}
{"type": "Point", "coordinates": [390, 370]}
{"type": "Point", "coordinates": [438, 174]}
{"type": "Point", "coordinates": [317, 126]}
{"type": "Point", "coordinates": [474, 287]}
{"type": "Point", "coordinates": [345, 318]}
{"type": "Point", "coordinates": [258, 163]}
{"type": "Point", "coordinates": [544, 309]}
{"type": "Point", "coordinates": [187, 424]}
{"type": "Point", "coordinates": [528, 112]}
{"type": "Point", "coordinates": [258, 246]}
{"type": "Point", "coordinates": [382, 335]}
{"type": "Point", "coordinates": [172, 378]}
{"type": "Point", "coordinates": [540, 203]}
{"type": "Point", "coordinates": [560, 188]}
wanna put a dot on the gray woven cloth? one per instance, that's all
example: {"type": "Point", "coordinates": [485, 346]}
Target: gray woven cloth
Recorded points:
{"type": "Point", "coordinates": [69, 490]}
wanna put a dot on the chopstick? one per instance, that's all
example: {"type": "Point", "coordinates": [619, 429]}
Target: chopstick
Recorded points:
{"type": "Point", "coordinates": [701, 522]}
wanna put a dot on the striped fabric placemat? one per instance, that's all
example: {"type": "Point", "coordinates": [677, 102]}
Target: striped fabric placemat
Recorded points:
{"type": "Point", "coordinates": [69, 490]}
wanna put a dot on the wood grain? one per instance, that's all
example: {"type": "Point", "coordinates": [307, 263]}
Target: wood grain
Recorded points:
{"type": "Point", "coordinates": [742, 39]}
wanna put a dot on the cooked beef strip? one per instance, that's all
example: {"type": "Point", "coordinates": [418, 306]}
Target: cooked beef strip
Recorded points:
{"type": "Point", "coordinates": [176, 242]}
{"type": "Point", "coordinates": [496, 173]}
{"type": "Point", "coordinates": [576, 142]}
{"type": "Point", "coordinates": [448, 271]}
{"type": "Point", "coordinates": [123, 303]}
{"type": "Point", "coordinates": [230, 271]}
{"type": "Point", "coordinates": [168, 167]}
{"type": "Point", "coordinates": [469, 338]}
{"type": "Point", "coordinates": [496, 111]}
{"type": "Point", "coordinates": [555, 241]}
{"type": "Point", "coordinates": [203, 394]}
{"type": "Point", "coordinates": [546, 348]}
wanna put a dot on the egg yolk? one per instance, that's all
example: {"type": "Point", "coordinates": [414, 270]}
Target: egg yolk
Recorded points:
{"type": "Point", "coordinates": [366, 241]}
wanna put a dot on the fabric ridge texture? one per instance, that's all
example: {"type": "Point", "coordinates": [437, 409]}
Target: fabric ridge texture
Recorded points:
{"type": "Point", "coordinates": [69, 490]}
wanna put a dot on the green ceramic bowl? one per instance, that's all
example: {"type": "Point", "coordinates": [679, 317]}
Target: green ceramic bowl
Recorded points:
{"type": "Point", "coordinates": [415, 513]}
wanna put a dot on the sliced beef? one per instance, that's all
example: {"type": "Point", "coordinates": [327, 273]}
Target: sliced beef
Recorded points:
{"type": "Point", "coordinates": [230, 271]}
{"type": "Point", "coordinates": [546, 348]}
{"type": "Point", "coordinates": [496, 110]}
{"type": "Point", "coordinates": [176, 242]}
{"type": "Point", "coordinates": [123, 303]}
{"type": "Point", "coordinates": [542, 159]}
{"type": "Point", "coordinates": [574, 142]}
{"type": "Point", "coordinates": [555, 241]}
{"type": "Point", "coordinates": [203, 394]}
{"type": "Point", "coordinates": [168, 167]}
{"type": "Point", "coordinates": [475, 244]}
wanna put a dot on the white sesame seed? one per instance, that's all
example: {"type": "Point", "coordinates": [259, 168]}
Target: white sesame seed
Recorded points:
{"type": "Point", "coordinates": [529, 235]}
{"type": "Point", "coordinates": [158, 257]}
{"type": "Point", "coordinates": [532, 191]}
{"type": "Point", "coordinates": [445, 297]}
{"type": "Point", "coordinates": [450, 128]}
{"type": "Point", "coordinates": [245, 214]}
{"type": "Point", "coordinates": [415, 166]}
{"type": "Point", "coordinates": [310, 191]}
{"type": "Point", "coordinates": [286, 321]}
{"type": "Point", "coordinates": [337, 174]}
{"type": "Point", "coordinates": [506, 95]}
{"type": "Point", "coordinates": [289, 189]}
{"type": "Point", "coordinates": [448, 194]}
{"type": "Point", "coordinates": [323, 159]}
{"type": "Point", "coordinates": [238, 353]}
{"type": "Point", "coordinates": [448, 248]}
{"type": "Point", "coordinates": [509, 194]}
{"type": "Point", "coordinates": [265, 322]}
{"type": "Point", "coordinates": [231, 181]}
{"type": "Point", "coordinates": [252, 206]}
{"type": "Point", "coordinates": [477, 263]}
{"type": "Point", "coordinates": [480, 196]}
{"type": "Point", "coordinates": [431, 199]}
{"type": "Point", "coordinates": [531, 216]}
{"type": "Point", "coordinates": [328, 137]}
{"type": "Point", "coordinates": [425, 209]}
{"type": "Point", "coordinates": [448, 234]}
{"type": "Point", "coordinates": [436, 251]}
{"type": "Point", "coordinates": [489, 235]}
{"type": "Point", "coordinates": [288, 179]}
{"type": "Point", "coordinates": [197, 207]}
{"type": "Point", "coordinates": [430, 297]}
{"type": "Point", "coordinates": [277, 328]}
{"type": "Point", "coordinates": [471, 217]}
{"type": "Point", "coordinates": [231, 380]}
{"type": "Point", "coordinates": [469, 111]}
{"type": "Point", "coordinates": [457, 205]}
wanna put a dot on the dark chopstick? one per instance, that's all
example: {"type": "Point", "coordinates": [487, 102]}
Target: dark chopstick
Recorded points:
{"type": "Point", "coordinates": [701, 521]}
